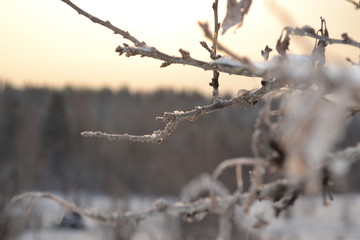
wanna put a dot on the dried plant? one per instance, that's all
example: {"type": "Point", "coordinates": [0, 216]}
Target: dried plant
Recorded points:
{"type": "Point", "coordinates": [306, 106]}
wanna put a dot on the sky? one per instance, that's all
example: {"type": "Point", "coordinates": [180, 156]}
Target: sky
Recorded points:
{"type": "Point", "coordinates": [46, 43]}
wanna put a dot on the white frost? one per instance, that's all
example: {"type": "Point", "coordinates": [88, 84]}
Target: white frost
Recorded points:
{"type": "Point", "coordinates": [227, 61]}
{"type": "Point", "coordinates": [301, 59]}
{"type": "Point", "coordinates": [299, 66]}
{"type": "Point", "coordinates": [146, 48]}
{"type": "Point", "coordinates": [176, 112]}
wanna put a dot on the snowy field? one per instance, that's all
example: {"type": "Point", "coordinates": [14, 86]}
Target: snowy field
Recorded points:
{"type": "Point", "coordinates": [309, 219]}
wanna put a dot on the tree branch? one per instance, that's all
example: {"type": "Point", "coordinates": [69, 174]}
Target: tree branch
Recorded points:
{"type": "Point", "coordinates": [142, 49]}
{"type": "Point", "coordinates": [215, 80]}
{"type": "Point", "coordinates": [205, 27]}
{"type": "Point", "coordinates": [156, 137]}
{"type": "Point", "coordinates": [310, 32]}
{"type": "Point", "coordinates": [202, 206]}
{"type": "Point", "coordinates": [235, 162]}
{"type": "Point", "coordinates": [173, 118]}
{"type": "Point", "coordinates": [106, 24]}
{"type": "Point", "coordinates": [151, 52]}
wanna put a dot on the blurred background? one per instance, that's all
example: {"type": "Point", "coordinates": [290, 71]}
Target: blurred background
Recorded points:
{"type": "Point", "coordinates": [60, 75]}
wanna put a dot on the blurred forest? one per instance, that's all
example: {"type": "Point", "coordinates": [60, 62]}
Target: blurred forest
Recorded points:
{"type": "Point", "coordinates": [41, 147]}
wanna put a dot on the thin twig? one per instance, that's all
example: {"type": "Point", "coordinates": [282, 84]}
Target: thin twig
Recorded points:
{"type": "Point", "coordinates": [226, 164]}
{"type": "Point", "coordinates": [156, 137]}
{"type": "Point", "coordinates": [106, 24]}
{"type": "Point", "coordinates": [173, 118]}
{"type": "Point", "coordinates": [257, 181]}
{"type": "Point", "coordinates": [245, 99]}
{"type": "Point", "coordinates": [151, 52]}
{"type": "Point", "coordinates": [206, 29]}
{"type": "Point", "coordinates": [216, 26]}
{"type": "Point", "coordinates": [239, 178]}
{"type": "Point", "coordinates": [215, 80]}
{"type": "Point", "coordinates": [142, 49]}
{"type": "Point", "coordinates": [61, 201]}
{"type": "Point", "coordinates": [310, 32]}
{"type": "Point", "coordinates": [203, 205]}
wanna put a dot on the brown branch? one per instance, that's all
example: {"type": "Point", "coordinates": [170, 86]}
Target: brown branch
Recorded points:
{"type": "Point", "coordinates": [239, 69]}
{"type": "Point", "coordinates": [156, 137]}
{"type": "Point", "coordinates": [201, 206]}
{"type": "Point", "coordinates": [245, 99]}
{"type": "Point", "coordinates": [61, 201]}
{"type": "Point", "coordinates": [205, 27]}
{"type": "Point", "coordinates": [160, 208]}
{"type": "Point", "coordinates": [106, 24]}
{"type": "Point", "coordinates": [236, 162]}
{"type": "Point", "coordinates": [216, 27]}
{"type": "Point", "coordinates": [173, 118]}
{"type": "Point", "coordinates": [310, 32]}
{"type": "Point", "coordinates": [142, 49]}
{"type": "Point", "coordinates": [215, 80]}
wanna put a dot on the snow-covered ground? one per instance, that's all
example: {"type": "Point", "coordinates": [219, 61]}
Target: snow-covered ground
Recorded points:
{"type": "Point", "coordinates": [308, 219]}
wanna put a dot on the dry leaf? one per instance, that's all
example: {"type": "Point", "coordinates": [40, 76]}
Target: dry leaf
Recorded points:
{"type": "Point", "coordinates": [283, 45]}
{"type": "Point", "coordinates": [235, 13]}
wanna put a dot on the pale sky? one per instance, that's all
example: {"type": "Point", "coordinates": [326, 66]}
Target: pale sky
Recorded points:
{"type": "Point", "coordinates": [46, 43]}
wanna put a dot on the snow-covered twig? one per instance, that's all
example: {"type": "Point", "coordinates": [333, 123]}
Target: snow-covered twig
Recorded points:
{"type": "Point", "coordinates": [161, 207]}
{"type": "Point", "coordinates": [215, 80]}
{"type": "Point", "coordinates": [173, 118]}
{"type": "Point", "coordinates": [310, 32]}
{"type": "Point", "coordinates": [156, 137]}
{"type": "Point", "coordinates": [142, 49]}
{"type": "Point", "coordinates": [230, 163]}
{"type": "Point", "coordinates": [246, 98]}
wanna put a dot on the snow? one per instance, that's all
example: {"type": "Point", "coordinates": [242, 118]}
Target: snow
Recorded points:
{"type": "Point", "coordinates": [265, 65]}
{"type": "Point", "coordinates": [299, 67]}
{"type": "Point", "coordinates": [176, 112]}
{"type": "Point", "coordinates": [227, 61]}
{"type": "Point", "coordinates": [300, 59]}
{"type": "Point", "coordinates": [355, 74]}
{"type": "Point", "coordinates": [308, 219]}
{"type": "Point", "coordinates": [146, 48]}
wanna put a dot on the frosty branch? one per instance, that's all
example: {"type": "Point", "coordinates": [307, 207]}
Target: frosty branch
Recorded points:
{"type": "Point", "coordinates": [142, 49]}
{"type": "Point", "coordinates": [292, 138]}
{"type": "Point", "coordinates": [310, 32]}
{"type": "Point", "coordinates": [189, 211]}
{"type": "Point", "coordinates": [242, 66]}
{"type": "Point", "coordinates": [173, 118]}
{"type": "Point", "coordinates": [215, 80]}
